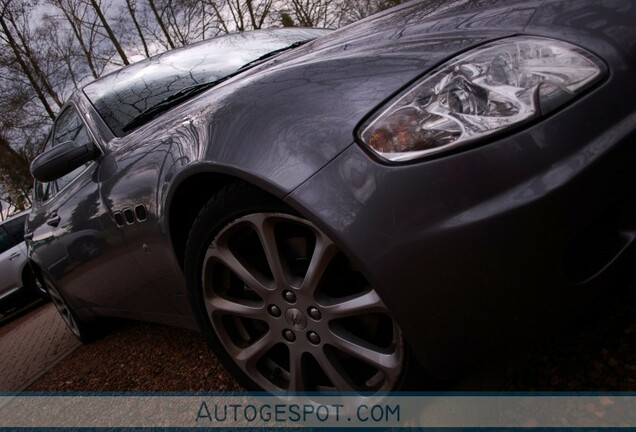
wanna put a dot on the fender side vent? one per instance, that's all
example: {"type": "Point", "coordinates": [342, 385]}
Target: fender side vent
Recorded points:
{"type": "Point", "coordinates": [129, 216]}
{"type": "Point", "coordinates": [119, 219]}
{"type": "Point", "coordinates": [141, 213]}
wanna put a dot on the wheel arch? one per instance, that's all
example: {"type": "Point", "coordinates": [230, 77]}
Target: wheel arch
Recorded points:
{"type": "Point", "coordinates": [35, 266]}
{"type": "Point", "coordinates": [24, 272]}
{"type": "Point", "coordinates": [193, 188]}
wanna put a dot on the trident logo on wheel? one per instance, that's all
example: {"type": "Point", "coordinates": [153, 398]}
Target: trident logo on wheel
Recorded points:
{"type": "Point", "coordinates": [296, 319]}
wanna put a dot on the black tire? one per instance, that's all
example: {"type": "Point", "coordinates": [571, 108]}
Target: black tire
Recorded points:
{"type": "Point", "coordinates": [34, 285]}
{"type": "Point", "coordinates": [84, 331]}
{"type": "Point", "coordinates": [7, 307]}
{"type": "Point", "coordinates": [281, 315]}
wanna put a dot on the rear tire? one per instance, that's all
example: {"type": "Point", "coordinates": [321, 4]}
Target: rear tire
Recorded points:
{"type": "Point", "coordinates": [35, 286]}
{"type": "Point", "coordinates": [84, 331]}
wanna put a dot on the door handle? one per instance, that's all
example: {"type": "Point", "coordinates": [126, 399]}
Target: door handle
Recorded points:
{"type": "Point", "coordinates": [28, 235]}
{"type": "Point", "coordinates": [14, 255]}
{"type": "Point", "coordinates": [54, 220]}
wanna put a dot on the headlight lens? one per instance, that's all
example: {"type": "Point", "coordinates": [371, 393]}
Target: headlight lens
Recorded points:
{"type": "Point", "coordinates": [486, 90]}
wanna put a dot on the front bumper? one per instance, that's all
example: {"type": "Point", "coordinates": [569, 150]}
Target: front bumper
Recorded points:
{"type": "Point", "coordinates": [471, 250]}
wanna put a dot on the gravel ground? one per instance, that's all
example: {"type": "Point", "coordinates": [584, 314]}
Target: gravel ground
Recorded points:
{"type": "Point", "coordinates": [140, 357]}
{"type": "Point", "coordinates": [599, 356]}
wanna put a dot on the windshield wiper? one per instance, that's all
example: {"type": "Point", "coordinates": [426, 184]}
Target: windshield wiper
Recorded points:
{"type": "Point", "coordinates": [271, 54]}
{"type": "Point", "coordinates": [188, 92]}
{"type": "Point", "coordinates": [172, 100]}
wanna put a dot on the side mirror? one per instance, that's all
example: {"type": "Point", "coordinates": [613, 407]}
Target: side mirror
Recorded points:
{"type": "Point", "coordinates": [61, 160]}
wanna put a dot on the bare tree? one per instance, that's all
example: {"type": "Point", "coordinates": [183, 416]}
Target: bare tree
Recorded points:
{"type": "Point", "coordinates": [354, 10]}
{"type": "Point", "coordinates": [131, 5]}
{"type": "Point", "coordinates": [241, 15]}
{"type": "Point", "coordinates": [182, 22]}
{"type": "Point", "coordinates": [14, 175]}
{"type": "Point", "coordinates": [26, 41]}
{"type": "Point", "coordinates": [161, 23]}
{"type": "Point", "coordinates": [258, 12]}
{"type": "Point", "coordinates": [19, 56]}
{"type": "Point", "coordinates": [238, 12]}
{"type": "Point", "coordinates": [22, 117]}
{"type": "Point", "coordinates": [63, 51]}
{"type": "Point", "coordinates": [84, 25]}
{"type": "Point", "coordinates": [217, 9]}
{"type": "Point", "coordinates": [97, 6]}
{"type": "Point", "coordinates": [314, 13]}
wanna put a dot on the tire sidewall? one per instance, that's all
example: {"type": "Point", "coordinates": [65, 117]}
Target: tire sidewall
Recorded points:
{"type": "Point", "coordinates": [226, 206]}
{"type": "Point", "coordinates": [31, 284]}
{"type": "Point", "coordinates": [87, 331]}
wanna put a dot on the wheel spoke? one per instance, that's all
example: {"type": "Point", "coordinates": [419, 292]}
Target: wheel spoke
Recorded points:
{"type": "Point", "coordinates": [249, 278]}
{"type": "Point", "coordinates": [225, 306]}
{"type": "Point", "coordinates": [365, 352]}
{"type": "Point", "coordinates": [365, 303]}
{"type": "Point", "coordinates": [265, 230]}
{"type": "Point", "coordinates": [296, 373]}
{"type": "Point", "coordinates": [63, 310]}
{"type": "Point", "coordinates": [333, 373]}
{"type": "Point", "coordinates": [323, 253]}
{"type": "Point", "coordinates": [71, 323]}
{"type": "Point", "coordinates": [58, 303]}
{"type": "Point", "coordinates": [247, 357]}
{"type": "Point", "coordinates": [55, 295]}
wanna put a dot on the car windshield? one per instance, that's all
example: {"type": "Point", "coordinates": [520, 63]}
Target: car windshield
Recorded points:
{"type": "Point", "coordinates": [123, 95]}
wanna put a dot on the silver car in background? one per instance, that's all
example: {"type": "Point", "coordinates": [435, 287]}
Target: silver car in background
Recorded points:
{"type": "Point", "coordinates": [18, 283]}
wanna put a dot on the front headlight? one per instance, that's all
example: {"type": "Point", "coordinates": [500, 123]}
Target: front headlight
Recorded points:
{"type": "Point", "coordinates": [486, 90]}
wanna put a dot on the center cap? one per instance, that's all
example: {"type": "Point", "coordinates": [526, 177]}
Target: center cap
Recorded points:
{"type": "Point", "coordinates": [296, 319]}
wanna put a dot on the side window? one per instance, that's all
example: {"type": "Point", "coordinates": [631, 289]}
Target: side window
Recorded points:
{"type": "Point", "coordinates": [43, 191]}
{"type": "Point", "coordinates": [5, 240]}
{"type": "Point", "coordinates": [15, 228]}
{"type": "Point", "coordinates": [69, 127]}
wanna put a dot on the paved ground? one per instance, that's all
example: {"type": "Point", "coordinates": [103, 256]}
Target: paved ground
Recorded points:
{"type": "Point", "coordinates": [31, 344]}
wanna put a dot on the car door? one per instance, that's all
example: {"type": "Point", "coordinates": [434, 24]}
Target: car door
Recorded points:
{"type": "Point", "coordinates": [45, 223]}
{"type": "Point", "coordinates": [11, 258]}
{"type": "Point", "coordinates": [75, 239]}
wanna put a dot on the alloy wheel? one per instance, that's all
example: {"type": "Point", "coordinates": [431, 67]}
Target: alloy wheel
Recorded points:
{"type": "Point", "coordinates": [292, 311]}
{"type": "Point", "coordinates": [63, 309]}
